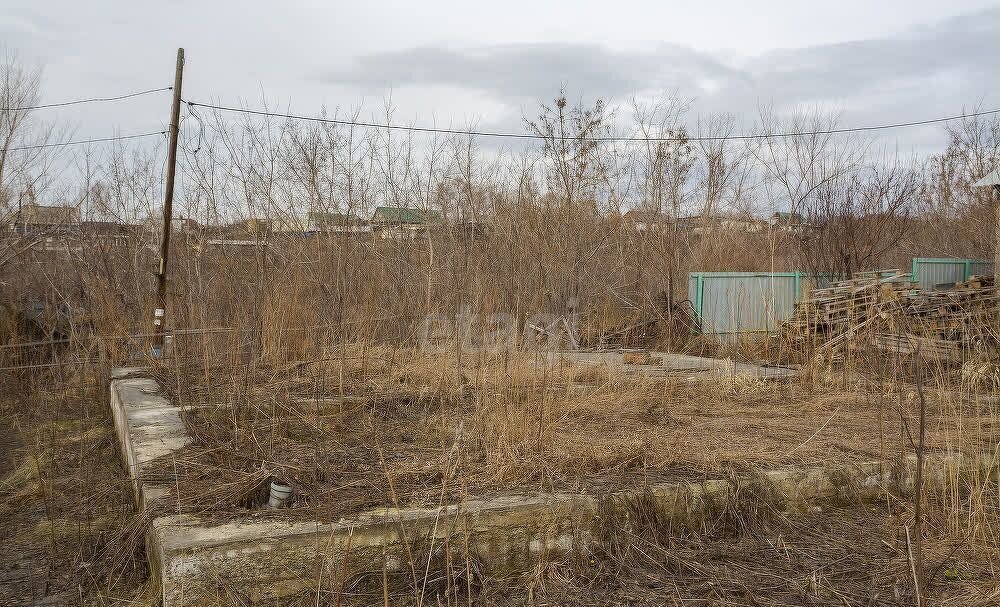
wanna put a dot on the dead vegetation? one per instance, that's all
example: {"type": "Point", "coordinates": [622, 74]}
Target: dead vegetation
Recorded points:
{"type": "Point", "coordinates": [394, 426]}
{"type": "Point", "coordinates": [64, 495]}
{"type": "Point", "coordinates": [298, 357]}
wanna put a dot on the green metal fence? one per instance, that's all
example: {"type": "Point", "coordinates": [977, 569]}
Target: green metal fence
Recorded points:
{"type": "Point", "coordinates": [746, 302]}
{"type": "Point", "coordinates": [931, 272]}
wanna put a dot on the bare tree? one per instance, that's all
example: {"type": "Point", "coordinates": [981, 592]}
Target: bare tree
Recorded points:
{"type": "Point", "coordinates": [26, 153]}
{"type": "Point", "coordinates": [663, 163]}
{"type": "Point", "coordinates": [726, 173]}
{"type": "Point", "coordinates": [948, 196]}
{"type": "Point", "coordinates": [571, 150]}
{"type": "Point", "coordinates": [795, 167]}
{"type": "Point", "coordinates": [852, 222]}
{"type": "Point", "coordinates": [570, 145]}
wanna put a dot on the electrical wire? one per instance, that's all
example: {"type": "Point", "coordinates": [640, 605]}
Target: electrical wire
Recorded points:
{"type": "Point", "coordinates": [508, 135]}
{"type": "Point", "coordinates": [88, 100]}
{"type": "Point", "coordinates": [98, 140]}
{"type": "Point", "coordinates": [468, 132]}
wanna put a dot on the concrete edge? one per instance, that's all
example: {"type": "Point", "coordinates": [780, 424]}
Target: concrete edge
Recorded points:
{"type": "Point", "coordinates": [148, 426]}
{"type": "Point", "coordinates": [270, 559]}
{"type": "Point", "coordinates": [192, 556]}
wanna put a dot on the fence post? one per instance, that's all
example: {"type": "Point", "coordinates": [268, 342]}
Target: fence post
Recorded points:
{"type": "Point", "coordinates": [698, 295]}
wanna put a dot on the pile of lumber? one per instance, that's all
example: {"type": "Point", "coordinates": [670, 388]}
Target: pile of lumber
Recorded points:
{"type": "Point", "coordinates": [886, 310]}
{"type": "Point", "coordinates": [910, 343]}
{"type": "Point", "coordinates": [964, 313]}
{"type": "Point", "coordinates": [863, 305]}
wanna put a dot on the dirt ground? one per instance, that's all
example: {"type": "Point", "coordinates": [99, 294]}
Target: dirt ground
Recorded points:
{"type": "Point", "coordinates": [408, 434]}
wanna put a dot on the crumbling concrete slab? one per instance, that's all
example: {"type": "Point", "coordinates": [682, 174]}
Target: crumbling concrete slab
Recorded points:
{"type": "Point", "coordinates": [148, 426]}
{"type": "Point", "coordinates": [676, 364]}
{"type": "Point", "coordinates": [268, 559]}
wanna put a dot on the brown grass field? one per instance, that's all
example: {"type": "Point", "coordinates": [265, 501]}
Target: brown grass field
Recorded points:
{"type": "Point", "coordinates": [299, 353]}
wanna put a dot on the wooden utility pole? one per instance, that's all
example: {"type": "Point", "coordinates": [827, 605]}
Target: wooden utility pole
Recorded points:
{"type": "Point", "coordinates": [160, 314]}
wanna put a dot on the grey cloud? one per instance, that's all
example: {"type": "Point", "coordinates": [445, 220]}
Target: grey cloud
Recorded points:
{"type": "Point", "coordinates": [963, 48]}
{"type": "Point", "coordinates": [534, 71]}
{"type": "Point", "coordinates": [918, 73]}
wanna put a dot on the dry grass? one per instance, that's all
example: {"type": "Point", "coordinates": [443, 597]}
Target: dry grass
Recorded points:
{"type": "Point", "coordinates": [64, 496]}
{"type": "Point", "coordinates": [378, 425]}
{"type": "Point", "coordinates": [365, 425]}
{"type": "Point", "coordinates": [295, 359]}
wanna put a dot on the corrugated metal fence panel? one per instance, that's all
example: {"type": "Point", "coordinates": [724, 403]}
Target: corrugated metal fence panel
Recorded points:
{"type": "Point", "coordinates": [944, 272]}
{"type": "Point", "coordinates": [980, 267]}
{"type": "Point", "coordinates": [931, 275]}
{"type": "Point", "coordinates": [743, 302]}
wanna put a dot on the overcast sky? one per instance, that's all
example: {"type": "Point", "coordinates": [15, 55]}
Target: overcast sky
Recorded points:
{"type": "Point", "coordinates": [456, 63]}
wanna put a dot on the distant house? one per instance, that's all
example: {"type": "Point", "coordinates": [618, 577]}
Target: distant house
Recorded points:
{"type": "Point", "coordinates": [33, 218]}
{"type": "Point", "coordinates": [153, 224]}
{"type": "Point", "coordinates": [696, 224]}
{"type": "Point", "coordinates": [645, 221]}
{"type": "Point", "coordinates": [403, 223]}
{"type": "Point", "coordinates": [183, 224]}
{"type": "Point", "coordinates": [790, 222]}
{"type": "Point", "coordinates": [106, 234]}
{"type": "Point", "coordinates": [324, 222]}
{"type": "Point", "coordinates": [990, 180]}
{"type": "Point", "coordinates": [253, 227]}
{"type": "Point", "coordinates": [704, 224]}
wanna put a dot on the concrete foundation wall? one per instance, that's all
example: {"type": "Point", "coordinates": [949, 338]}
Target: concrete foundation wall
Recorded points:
{"type": "Point", "coordinates": [148, 427]}
{"type": "Point", "coordinates": [262, 556]}
{"type": "Point", "coordinates": [267, 559]}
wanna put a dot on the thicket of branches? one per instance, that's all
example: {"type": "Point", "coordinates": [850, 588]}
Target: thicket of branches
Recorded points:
{"type": "Point", "coordinates": [549, 231]}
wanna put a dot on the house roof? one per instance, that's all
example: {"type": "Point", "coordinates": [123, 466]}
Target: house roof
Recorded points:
{"type": "Point", "coordinates": [405, 215]}
{"type": "Point", "coordinates": [38, 214]}
{"type": "Point", "coordinates": [787, 215]}
{"type": "Point", "coordinates": [991, 178]}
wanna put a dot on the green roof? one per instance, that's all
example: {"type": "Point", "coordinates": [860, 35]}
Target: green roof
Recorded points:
{"type": "Point", "coordinates": [404, 215]}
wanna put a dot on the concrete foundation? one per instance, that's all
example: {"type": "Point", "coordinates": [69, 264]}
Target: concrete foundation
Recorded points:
{"type": "Point", "coordinates": [670, 363]}
{"type": "Point", "coordinates": [148, 426]}
{"type": "Point", "coordinates": [266, 559]}
{"type": "Point", "coordinates": [263, 556]}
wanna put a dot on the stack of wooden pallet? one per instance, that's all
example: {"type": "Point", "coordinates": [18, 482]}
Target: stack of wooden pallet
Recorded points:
{"type": "Point", "coordinates": [911, 343]}
{"type": "Point", "coordinates": [864, 305]}
{"type": "Point", "coordinates": [964, 313]}
{"type": "Point", "coordinates": [887, 310]}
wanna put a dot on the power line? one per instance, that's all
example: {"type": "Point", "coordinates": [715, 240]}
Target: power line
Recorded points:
{"type": "Point", "coordinates": [89, 100]}
{"type": "Point", "coordinates": [99, 140]}
{"type": "Point", "coordinates": [508, 135]}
